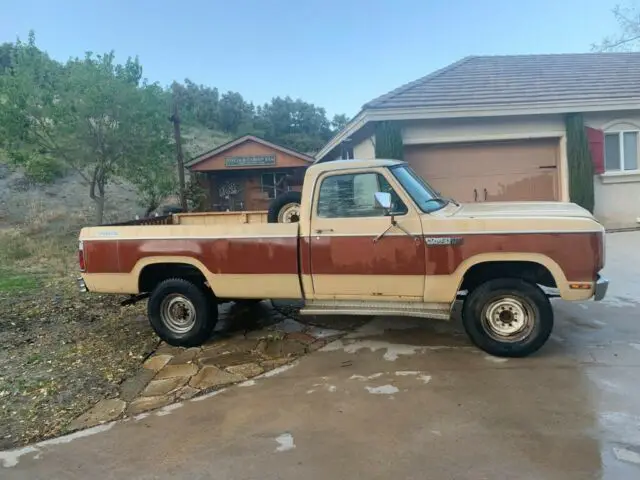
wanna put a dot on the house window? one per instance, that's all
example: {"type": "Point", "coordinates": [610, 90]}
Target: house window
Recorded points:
{"type": "Point", "coordinates": [621, 151]}
{"type": "Point", "coordinates": [269, 184]}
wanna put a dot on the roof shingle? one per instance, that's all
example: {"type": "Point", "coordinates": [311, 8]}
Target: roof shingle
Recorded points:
{"type": "Point", "coordinates": [484, 81]}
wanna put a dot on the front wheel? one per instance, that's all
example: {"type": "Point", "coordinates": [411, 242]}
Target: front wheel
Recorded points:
{"type": "Point", "coordinates": [182, 313]}
{"type": "Point", "coordinates": [508, 317]}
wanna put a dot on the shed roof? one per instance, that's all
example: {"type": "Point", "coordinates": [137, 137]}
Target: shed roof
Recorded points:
{"type": "Point", "coordinates": [233, 143]}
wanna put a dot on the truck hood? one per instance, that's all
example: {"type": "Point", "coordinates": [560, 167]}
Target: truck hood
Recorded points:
{"type": "Point", "coordinates": [521, 209]}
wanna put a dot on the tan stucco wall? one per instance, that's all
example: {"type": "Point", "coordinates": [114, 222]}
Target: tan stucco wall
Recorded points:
{"type": "Point", "coordinates": [617, 197]}
{"type": "Point", "coordinates": [365, 150]}
{"type": "Point", "coordinates": [479, 129]}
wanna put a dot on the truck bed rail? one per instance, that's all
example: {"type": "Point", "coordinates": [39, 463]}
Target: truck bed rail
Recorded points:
{"type": "Point", "coordinates": [160, 220]}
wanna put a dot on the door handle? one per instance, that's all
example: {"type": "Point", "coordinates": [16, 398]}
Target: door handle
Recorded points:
{"type": "Point", "coordinates": [475, 195]}
{"type": "Point", "coordinates": [326, 230]}
{"type": "Point", "coordinates": [485, 194]}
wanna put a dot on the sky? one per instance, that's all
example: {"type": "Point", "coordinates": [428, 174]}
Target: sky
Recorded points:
{"type": "Point", "coordinates": [338, 54]}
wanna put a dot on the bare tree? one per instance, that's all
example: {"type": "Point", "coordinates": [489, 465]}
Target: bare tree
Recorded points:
{"type": "Point", "coordinates": [628, 38]}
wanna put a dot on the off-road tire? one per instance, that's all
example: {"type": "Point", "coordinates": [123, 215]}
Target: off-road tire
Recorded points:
{"type": "Point", "coordinates": [280, 202]}
{"type": "Point", "coordinates": [477, 324]}
{"type": "Point", "coordinates": [204, 307]}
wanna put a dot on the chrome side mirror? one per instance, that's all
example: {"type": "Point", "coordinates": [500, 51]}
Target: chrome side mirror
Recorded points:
{"type": "Point", "coordinates": [383, 200]}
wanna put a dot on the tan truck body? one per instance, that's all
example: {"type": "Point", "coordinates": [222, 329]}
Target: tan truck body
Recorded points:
{"type": "Point", "coordinates": [343, 265]}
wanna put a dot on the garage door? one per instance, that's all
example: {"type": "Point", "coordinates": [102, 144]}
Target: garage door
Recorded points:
{"type": "Point", "coordinates": [490, 171]}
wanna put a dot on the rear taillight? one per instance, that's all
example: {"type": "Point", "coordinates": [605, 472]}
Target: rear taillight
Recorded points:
{"type": "Point", "coordinates": [81, 256]}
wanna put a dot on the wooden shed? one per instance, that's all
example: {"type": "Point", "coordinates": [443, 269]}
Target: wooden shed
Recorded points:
{"type": "Point", "coordinates": [248, 173]}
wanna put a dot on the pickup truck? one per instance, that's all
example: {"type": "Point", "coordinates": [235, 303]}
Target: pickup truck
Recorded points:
{"type": "Point", "coordinates": [370, 238]}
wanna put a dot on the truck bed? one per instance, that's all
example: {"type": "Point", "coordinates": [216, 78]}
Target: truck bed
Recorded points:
{"type": "Point", "coordinates": [240, 254]}
{"type": "Point", "coordinates": [200, 218]}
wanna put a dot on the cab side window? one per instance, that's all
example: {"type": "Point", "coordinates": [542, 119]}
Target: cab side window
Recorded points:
{"type": "Point", "coordinates": [353, 195]}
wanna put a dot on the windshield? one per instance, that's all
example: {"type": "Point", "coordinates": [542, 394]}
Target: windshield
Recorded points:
{"type": "Point", "coordinates": [419, 190]}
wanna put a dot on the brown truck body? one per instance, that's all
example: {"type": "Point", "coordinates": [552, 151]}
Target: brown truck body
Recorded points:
{"type": "Point", "coordinates": [357, 257]}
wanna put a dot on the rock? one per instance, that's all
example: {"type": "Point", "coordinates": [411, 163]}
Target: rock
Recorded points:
{"type": "Point", "coordinates": [132, 387]}
{"type": "Point", "coordinates": [210, 376]}
{"type": "Point", "coordinates": [288, 326]}
{"type": "Point", "coordinates": [102, 412]}
{"type": "Point", "coordinates": [156, 362]}
{"type": "Point", "coordinates": [274, 363]}
{"type": "Point", "coordinates": [186, 392]}
{"type": "Point", "coordinates": [235, 344]}
{"type": "Point", "coordinates": [166, 349]}
{"type": "Point", "coordinates": [262, 346]}
{"type": "Point", "coordinates": [257, 334]}
{"type": "Point", "coordinates": [273, 348]}
{"type": "Point", "coordinates": [293, 349]}
{"type": "Point", "coordinates": [163, 386]}
{"type": "Point", "coordinates": [301, 337]}
{"type": "Point", "coordinates": [172, 371]}
{"type": "Point", "coordinates": [247, 370]}
{"type": "Point", "coordinates": [317, 345]}
{"type": "Point", "coordinates": [230, 359]}
{"type": "Point", "coordinates": [186, 356]}
{"type": "Point", "coordinates": [144, 404]}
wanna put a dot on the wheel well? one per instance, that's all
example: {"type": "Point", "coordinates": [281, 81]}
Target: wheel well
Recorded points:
{"type": "Point", "coordinates": [529, 271]}
{"type": "Point", "coordinates": [152, 275]}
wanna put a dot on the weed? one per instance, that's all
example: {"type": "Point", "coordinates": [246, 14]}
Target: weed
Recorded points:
{"type": "Point", "coordinates": [13, 247]}
{"type": "Point", "coordinates": [12, 282]}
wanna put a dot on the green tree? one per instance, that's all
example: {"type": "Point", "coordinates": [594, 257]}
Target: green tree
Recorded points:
{"type": "Point", "coordinates": [581, 190]}
{"type": "Point", "coordinates": [233, 111]}
{"type": "Point", "coordinates": [339, 122]}
{"type": "Point", "coordinates": [89, 114]}
{"type": "Point", "coordinates": [6, 57]}
{"type": "Point", "coordinates": [389, 144]}
{"type": "Point", "coordinates": [628, 38]}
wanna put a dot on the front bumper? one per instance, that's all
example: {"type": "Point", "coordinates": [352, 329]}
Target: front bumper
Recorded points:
{"type": "Point", "coordinates": [602, 285]}
{"type": "Point", "coordinates": [82, 286]}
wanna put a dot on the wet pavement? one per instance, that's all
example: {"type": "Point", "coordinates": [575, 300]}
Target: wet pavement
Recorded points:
{"type": "Point", "coordinates": [399, 398]}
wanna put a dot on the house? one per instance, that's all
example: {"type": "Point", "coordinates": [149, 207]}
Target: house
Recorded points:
{"type": "Point", "coordinates": [248, 173]}
{"type": "Point", "coordinates": [492, 128]}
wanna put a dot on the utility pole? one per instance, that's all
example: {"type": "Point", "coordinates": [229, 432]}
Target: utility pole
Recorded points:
{"type": "Point", "coordinates": [175, 119]}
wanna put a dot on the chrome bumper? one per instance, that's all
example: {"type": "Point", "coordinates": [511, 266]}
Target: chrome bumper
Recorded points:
{"type": "Point", "coordinates": [81, 285]}
{"type": "Point", "coordinates": [602, 285]}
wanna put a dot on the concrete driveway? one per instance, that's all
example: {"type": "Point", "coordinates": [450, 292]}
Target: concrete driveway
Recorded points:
{"type": "Point", "coordinates": [400, 399]}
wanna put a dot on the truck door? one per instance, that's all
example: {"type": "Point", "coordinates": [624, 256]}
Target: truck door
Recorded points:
{"type": "Point", "coordinates": [347, 260]}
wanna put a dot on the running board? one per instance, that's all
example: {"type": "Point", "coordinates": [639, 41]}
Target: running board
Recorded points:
{"type": "Point", "coordinates": [438, 311]}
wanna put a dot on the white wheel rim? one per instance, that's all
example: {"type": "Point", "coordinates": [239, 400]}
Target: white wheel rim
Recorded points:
{"type": "Point", "coordinates": [508, 319]}
{"type": "Point", "coordinates": [290, 213]}
{"type": "Point", "coordinates": [178, 313]}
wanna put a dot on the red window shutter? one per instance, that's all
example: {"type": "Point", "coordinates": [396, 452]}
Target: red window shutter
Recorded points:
{"type": "Point", "coordinates": [596, 147]}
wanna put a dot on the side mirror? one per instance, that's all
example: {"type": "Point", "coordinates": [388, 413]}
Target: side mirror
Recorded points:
{"type": "Point", "coordinates": [383, 200]}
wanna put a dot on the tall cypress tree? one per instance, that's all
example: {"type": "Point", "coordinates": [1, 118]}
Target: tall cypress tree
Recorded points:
{"type": "Point", "coordinates": [389, 141]}
{"type": "Point", "coordinates": [580, 163]}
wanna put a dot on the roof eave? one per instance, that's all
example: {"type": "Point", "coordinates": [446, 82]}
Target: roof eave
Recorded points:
{"type": "Point", "coordinates": [427, 113]}
{"type": "Point", "coordinates": [349, 129]}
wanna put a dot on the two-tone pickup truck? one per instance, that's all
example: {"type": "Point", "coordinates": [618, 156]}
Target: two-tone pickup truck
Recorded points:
{"type": "Point", "coordinates": [372, 238]}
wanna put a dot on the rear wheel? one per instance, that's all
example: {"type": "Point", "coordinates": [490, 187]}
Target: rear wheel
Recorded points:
{"type": "Point", "coordinates": [182, 313]}
{"type": "Point", "coordinates": [508, 317]}
{"type": "Point", "coordinates": [285, 208]}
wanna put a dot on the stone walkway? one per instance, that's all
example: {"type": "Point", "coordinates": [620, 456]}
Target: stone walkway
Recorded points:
{"type": "Point", "coordinates": [249, 340]}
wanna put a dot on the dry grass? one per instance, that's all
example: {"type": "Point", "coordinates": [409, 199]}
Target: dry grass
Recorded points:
{"type": "Point", "coordinates": [62, 351]}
